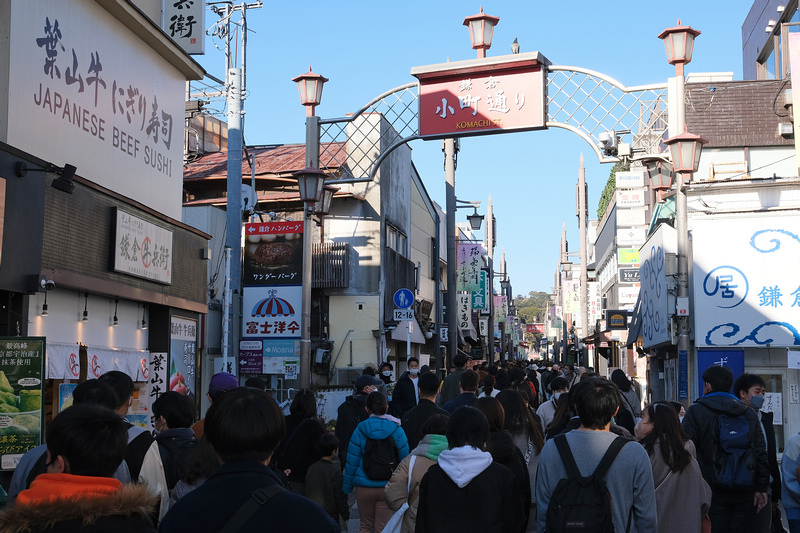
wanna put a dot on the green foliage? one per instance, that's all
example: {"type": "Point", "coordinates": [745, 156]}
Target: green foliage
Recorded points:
{"type": "Point", "coordinates": [611, 185]}
{"type": "Point", "coordinates": [533, 307]}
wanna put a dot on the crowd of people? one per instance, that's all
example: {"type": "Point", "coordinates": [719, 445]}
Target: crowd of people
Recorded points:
{"type": "Point", "coordinates": [494, 448]}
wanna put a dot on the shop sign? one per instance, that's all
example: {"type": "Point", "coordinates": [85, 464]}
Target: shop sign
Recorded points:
{"type": "Point", "coordinates": [273, 253]}
{"type": "Point", "coordinates": [633, 198]}
{"type": "Point", "coordinates": [21, 397]}
{"type": "Point", "coordinates": [182, 355]}
{"type": "Point", "coordinates": [185, 21]}
{"type": "Point", "coordinates": [627, 256]}
{"type": "Point", "coordinates": [631, 236]}
{"type": "Point", "coordinates": [142, 249]}
{"type": "Point", "coordinates": [484, 96]}
{"type": "Point", "coordinates": [272, 312]}
{"type": "Point", "coordinates": [469, 267]}
{"type": "Point", "coordinates": [629, 275]}
{"type": "Point", "coordinates": [617, 319]}
{"type": "Point", "coordinates": [631, 216]}
{"type": "Point", "coordinates": [632, 179]}
{"type": "Point", "coordinates": [464, 311]}
{"type": "Point", "coordinates": [480, 297]}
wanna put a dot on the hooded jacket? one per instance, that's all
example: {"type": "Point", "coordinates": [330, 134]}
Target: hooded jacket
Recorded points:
{"type": "Point", "coordinates": [699, 424]}
{"type": "Point", "coordinates": [350, 414]}
{"type": "Point", "coordinates": [377, 428]}
{"type": "Point", "coordinates": [396, 492]}
{"type": "Point", "coordinates": [66, 503]}
{"type": "Point", "coordinates": [467, 474]}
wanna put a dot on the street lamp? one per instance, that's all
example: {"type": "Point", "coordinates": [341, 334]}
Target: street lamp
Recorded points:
{"type": "Point", "coordinates": [309, 85]}
{"type": "Point", "coordinates": [310, 182]}
{"type": "Point", "coordinates": [481, 29]}
{"type": "Point", "coordinates": [660, 174]}
{"type": "Point", "coordinates": [323, 206]}
{"type": "Point", "coordinates": [685, 150]}
{"type": "Point", "coordinates": [475, 220]}
{"type": "Point", "coordinates": [679, 44]}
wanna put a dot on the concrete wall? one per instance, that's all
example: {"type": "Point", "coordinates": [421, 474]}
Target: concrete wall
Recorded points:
{"type": "Point", "coordinates": [360, 314]}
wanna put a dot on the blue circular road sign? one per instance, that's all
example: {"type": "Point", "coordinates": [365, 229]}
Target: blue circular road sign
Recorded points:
{"type": "Point", "coordinates": [403, 298]}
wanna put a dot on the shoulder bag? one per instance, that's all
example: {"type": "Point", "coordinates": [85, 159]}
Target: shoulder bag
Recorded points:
{"type": "Point", "coordinates": [395, 524]}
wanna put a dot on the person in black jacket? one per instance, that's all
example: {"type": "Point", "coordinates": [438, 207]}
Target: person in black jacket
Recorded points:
{"type": "Point", "coordinates": [426, 408]}
{"type": "Point", "coordinates": [501, 446]}
{"type": "Point", "coordinates": [730, 510]}
{"type": "Point", "coordinates": [466, 472]}
{"type": "Point", "coordinates": [406, 393]}
{"type": "Point", "coordinates": [174, 414]}
{"type": "Point", "coordinates": [300, 449]}
{"type": "Point", "coordinates": [244, 426]}
{"type": "Point", "coordinates": [353, 411]}
{"type": "Point", "coordinates": [750, 388]}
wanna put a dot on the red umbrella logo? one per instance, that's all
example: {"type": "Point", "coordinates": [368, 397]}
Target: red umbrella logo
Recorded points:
{"type": "Point", "coordinates": [273, 306]}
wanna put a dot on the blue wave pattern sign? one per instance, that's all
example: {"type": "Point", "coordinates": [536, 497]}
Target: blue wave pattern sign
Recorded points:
{"type": "Point", "coordinates": [746, 282]}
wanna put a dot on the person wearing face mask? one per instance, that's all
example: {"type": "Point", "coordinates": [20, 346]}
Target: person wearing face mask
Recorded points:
{"type": "Point", "coordinates": [750, 388]}
{"type": "Point", "coordinates": [677, 479]}
{"type": "Point", "coordinates": [680, 409]}
{"type": "Point", "coordinates": [547, 410]}
{"type": "Point", "coordinates": [406, 392]}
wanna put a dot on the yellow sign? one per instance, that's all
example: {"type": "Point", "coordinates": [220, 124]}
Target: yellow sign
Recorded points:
{"type": "Point", "coordinates": [628, 256]}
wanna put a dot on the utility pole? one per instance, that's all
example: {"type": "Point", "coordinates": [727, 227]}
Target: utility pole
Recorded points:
{"type": "Point", "coordinates": [582, 219]}
{"type": "Point", "coordinates": [489, 239]}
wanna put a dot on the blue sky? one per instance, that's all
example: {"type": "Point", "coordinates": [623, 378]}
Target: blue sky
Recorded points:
{"type": "Point", "coordinates": [367, 48]}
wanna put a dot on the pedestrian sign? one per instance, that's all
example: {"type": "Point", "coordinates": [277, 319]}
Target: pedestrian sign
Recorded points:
{"type": "Point", "coordinates": [403, 298]}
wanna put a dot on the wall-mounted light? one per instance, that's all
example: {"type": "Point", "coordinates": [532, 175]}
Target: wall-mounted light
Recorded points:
{"type": "Point", "coordinates": [116, 305]}
{"type": "Point", "coordinates": [64, 182]}
{"type": "Point", "coordinates": [47, 285]}
{"type": "Point", "coordinates": [85, 308]}
{"type": "Point", "coordinates": [144, 322]}
{"type": "Point", "coordinates": [44, 305]}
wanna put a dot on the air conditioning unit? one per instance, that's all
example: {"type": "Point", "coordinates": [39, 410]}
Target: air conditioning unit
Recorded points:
{"type": "Point", "coordinates": [786, 130]}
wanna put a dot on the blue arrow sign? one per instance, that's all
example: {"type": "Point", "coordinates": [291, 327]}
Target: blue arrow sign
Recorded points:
{"type": "Point", "coordinates": [403, 298]}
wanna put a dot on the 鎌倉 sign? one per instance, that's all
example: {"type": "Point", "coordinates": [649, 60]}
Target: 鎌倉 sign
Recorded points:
{"type": "Point", "coordinates": [482, 96]}
{"type": "Point", "coordinates": [142, 249]}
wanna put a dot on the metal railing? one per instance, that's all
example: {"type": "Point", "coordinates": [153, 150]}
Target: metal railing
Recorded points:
{"type": "Point", "coordinates": [331, 265]}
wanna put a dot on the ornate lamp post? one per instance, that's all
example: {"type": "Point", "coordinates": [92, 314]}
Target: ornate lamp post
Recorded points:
{"type": "Point", "coordinates": [481, 29]}
{"type": "Point", "coordinates": [660, 174]}
{"type": "Point", "coordinates": [311, 182]}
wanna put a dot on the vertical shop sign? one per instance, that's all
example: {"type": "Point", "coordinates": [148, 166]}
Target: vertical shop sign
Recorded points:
{"type": "Point", "coordinates": [182, 356]}
{"type": "Point", "coordinates": [21, 392]}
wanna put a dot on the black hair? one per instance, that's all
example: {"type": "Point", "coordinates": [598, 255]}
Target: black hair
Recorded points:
{"type": "Point", "coordinates": [621, 380]}
{"type": "Point", "coordinates": [501, 379]}
{"type": "Point", "coordinates": [516, 375]}
{"type": "Point", "coordinates": [376, 403]}
{"type": "Point", "coordinates": [488, 385]}
{"type": "Point", "coordinates": [469, 381]}
{"type": "Point", "coordinates": [256, 383]}
{"type": "Point", "coordinates": [435, 424]}
{"type": "Point", "coordinates": [176, 408]}
{"type": "Point", "coordinates": [719, 377]}
{"type": "Point", "coordinates": [245, 424]}
{"type": "Point", "coordinates": [91, 438]}
{"type": "Point", "coordinates": [386, 364]}
{"type": "Point", "coordinates": [121, 383]}
{"type": "Point", "coordinates": [493, 411]}
{"type": "Point", "coordinates": [518, 418]}
{"type": "Point", "coordinates": [564, 410]}
{"type": "Point", "coordinates": [328, 443]}
{"type": "Point", "coordinates": [669, 435]}
{"type": "Point", "coordinates": [745, 382]}
{"type": "Point", "coordinates": [596, 402]}
{"type": "Point", "coordinates": [467, 427]}
{"type": "Point", "coordinates": [428, 383]}
{"type": "Point", "coordinates": [559, 383]}
{"type": "Point", "coordinates": [304, 404]}
{"type": "Point", "coordinates": [368, 371]}
{"type": "Point", "coordinates": [677, 406]}
{"type": "Point", "coordinates": [459, 360]}
{"type": "Point", "coordinates": [412, 358]}
{"type": "Point", "coordinates": [201, 462]}
{"type": "Point", "coordinates": [96, 392]}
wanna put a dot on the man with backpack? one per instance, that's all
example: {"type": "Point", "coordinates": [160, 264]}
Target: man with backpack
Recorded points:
{"type": "Point", "coordinates": [731, 452]}
{"type": "Point", "coordinates": [174, 414]}
{"type": "Point", "coordinates": [589, 479]}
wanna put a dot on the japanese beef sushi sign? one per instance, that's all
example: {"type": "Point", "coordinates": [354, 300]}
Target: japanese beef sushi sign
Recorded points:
{"type": "Point", "coordinates": [274, 253]}
{"type": "Point", "coordinates": [21, 372]}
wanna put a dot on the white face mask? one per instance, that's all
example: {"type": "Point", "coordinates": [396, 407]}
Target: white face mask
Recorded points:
{"type": "Point", "coordinates": [681, 419]}
{"type": "Point", "coordinates": [413, 371]}
{"type": "Point", "coordinates": [387, 373]}
{"type": "Point", "coordinates": [556, 395]}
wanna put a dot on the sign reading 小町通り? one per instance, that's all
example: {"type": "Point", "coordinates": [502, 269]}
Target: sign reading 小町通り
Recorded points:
{"type": "Point", "coordinates": [21, 397]}
{"type": "Point", "coordinates": [184, 22]}
{"type": "Point", "coordinates": [77, 73]}
{"type": "Point", "coordinates": [482, 96]}
{"type": "Point", "coordinates": [273, 254]}
{"type": "Point", "coordinates": [272, 312]}
{"type": "Point", "coordinates": [142, 249]}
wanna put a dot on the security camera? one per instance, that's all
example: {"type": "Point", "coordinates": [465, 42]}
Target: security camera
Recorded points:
{"type": "Point", "coordinates": [48, 284]}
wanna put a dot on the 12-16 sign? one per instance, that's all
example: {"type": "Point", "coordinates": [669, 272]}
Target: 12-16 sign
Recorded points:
{"type": "Point", "coordinates": [401, 315]}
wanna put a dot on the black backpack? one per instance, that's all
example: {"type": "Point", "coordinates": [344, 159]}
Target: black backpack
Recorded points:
{"type": "Point", "coordinates": [734, 464]}
{"type": "Point", "coordinates": [381, 457]}
{"type": "Point", "coordinates": [174, 456]}
{"type": "Point", "coordinates": [582, 504]}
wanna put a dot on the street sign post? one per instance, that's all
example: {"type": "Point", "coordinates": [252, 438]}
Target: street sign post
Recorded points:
{"type": "Point", "coordinates": [404, 299]}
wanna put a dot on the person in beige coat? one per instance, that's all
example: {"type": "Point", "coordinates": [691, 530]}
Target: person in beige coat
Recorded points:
{"type": "Point", "coordinates": [682, 495]}
{"type": "Point", "coordinates": [425, 456]}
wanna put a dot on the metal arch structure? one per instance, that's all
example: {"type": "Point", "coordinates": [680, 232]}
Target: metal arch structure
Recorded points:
{"type": "Point", "coordinates": [579, 100]}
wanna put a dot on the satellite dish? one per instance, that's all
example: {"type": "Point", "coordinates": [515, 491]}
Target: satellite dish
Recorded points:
{"type": "Point", "coordinates": [249, 199]}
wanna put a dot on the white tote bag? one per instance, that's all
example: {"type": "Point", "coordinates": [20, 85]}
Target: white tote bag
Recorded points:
{"type": "Point", "coordinates": [395, 524]}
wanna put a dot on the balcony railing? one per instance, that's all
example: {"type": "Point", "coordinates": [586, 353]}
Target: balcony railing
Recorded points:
{"type": "Point", "coordinates": [331, 266]}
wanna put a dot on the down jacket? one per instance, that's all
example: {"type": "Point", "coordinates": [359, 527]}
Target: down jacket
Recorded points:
{"type": "Point", "coordinates": [373, 427]}
{"type": "Point", "coordinates": [125, 510]}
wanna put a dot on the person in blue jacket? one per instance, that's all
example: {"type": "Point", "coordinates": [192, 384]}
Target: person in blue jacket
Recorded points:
{"type": "Point", "coordinates": [369, 493]}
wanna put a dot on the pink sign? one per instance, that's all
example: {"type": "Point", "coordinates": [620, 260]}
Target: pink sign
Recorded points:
{"type": "Point", "coordinates": [480, 97]}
